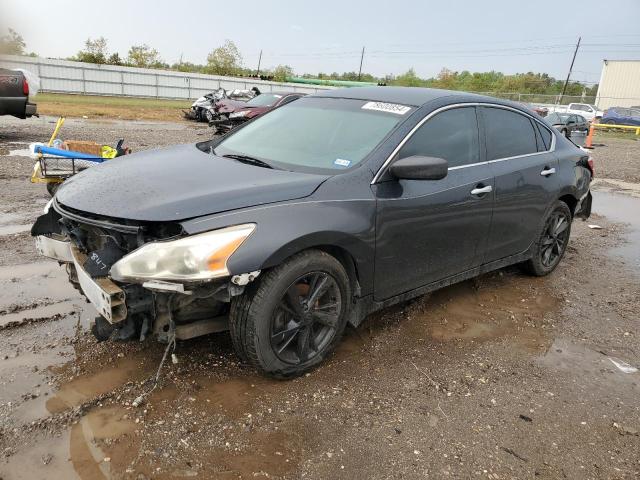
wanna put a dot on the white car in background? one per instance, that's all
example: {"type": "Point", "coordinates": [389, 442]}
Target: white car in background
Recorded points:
{"type": "Point", "coordinates": [590, 112]}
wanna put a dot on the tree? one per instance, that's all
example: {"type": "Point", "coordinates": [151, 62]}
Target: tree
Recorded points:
{"type": "Point", "coordinates": [12, 43]}
{"type": "Point", "coordinates": [408, 79]}
{"type": "Point", "coordinates": [144, 56]}
{"type": "Point", "coordinates": [95, 51]}
{"type": "Point", "coordinates": [282, 72]}
{"type": "Point", "coordinates": [114, 59]}
{"type": "Point", "coordinates": [224, 60]}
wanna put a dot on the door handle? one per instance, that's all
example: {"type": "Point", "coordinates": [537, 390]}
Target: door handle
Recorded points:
{"type": "Point", "coordinates": [547, 171]}
{"type": "Point", "coordinates": [481, 190]}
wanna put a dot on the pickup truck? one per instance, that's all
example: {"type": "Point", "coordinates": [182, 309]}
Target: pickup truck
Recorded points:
{"type": "Point", "coordinates": [590, 112]}
{"type": "Point", "coordinates": [14, 94]}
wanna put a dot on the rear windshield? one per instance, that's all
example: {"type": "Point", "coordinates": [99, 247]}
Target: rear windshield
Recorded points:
{"type": "Point", "coordinates": [315, 134]}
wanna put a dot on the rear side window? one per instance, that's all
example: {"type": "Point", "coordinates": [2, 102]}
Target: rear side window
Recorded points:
{"type": "Point", "coordinates": [545, 134]}
{"type": "Point", "coordinates": [508, 133]}
{"type": "Point", "coordinates": [452, 135]}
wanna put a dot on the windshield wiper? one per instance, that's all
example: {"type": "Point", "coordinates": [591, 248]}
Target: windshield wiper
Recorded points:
{"type": "Point", "coordinates": [248, 159]}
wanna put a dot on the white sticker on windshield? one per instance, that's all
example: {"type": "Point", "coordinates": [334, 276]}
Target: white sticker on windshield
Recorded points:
{"type": "Point", "coordinates": [341, 162]}
{"type": "Point", "coordinates": [386, 107]}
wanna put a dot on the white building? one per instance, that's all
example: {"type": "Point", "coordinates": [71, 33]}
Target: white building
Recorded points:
{"type": "Point", "coordinates": [619, 84]}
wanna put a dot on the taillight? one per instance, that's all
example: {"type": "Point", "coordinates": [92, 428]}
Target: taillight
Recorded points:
{"type": "Point", "coordinates": [25, 86]}
{"type": "Point", "coordinates": [590, 163]}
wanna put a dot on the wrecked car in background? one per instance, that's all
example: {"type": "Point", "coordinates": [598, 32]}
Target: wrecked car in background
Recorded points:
{"type": "Point", "coordinates": [229, 115]}
{"type": "Point", "coordinates": [202, 108]}
{"type": "Point", "coordinates": [314, 215]}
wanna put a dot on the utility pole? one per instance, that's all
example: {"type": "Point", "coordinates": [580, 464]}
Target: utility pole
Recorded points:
{"type": "Point", "coordinates": [361, 58]}
{"type": "Point", "coordinates": [259, 60]}
{"type": "Point", "coordinates": [566, 82]}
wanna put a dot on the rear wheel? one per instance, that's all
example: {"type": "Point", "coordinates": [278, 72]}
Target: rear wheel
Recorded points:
{"type": "Point", "coordinates": [293, 317]}
{"type": "Point", "coordinates": [208, 115]}
{"type": "Point", "coordinates": [551, 242]}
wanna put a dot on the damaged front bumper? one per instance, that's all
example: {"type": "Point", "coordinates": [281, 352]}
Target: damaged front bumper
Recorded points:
{"type": "Point", "coordinates": [151, 307]}
{"type": "Point", "coordinates": [107, 297]}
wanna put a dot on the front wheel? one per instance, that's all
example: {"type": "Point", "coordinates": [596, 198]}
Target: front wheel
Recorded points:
{"type": "Point", "coordinates": [291, 318]}
{"type": "Point", "coordinates": [552, 241]}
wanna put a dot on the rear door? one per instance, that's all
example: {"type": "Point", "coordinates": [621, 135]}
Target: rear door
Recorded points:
{"type": "Point", "coordinates": [427, 230]}
{"type": "Point", "coordinates": [520, 153]}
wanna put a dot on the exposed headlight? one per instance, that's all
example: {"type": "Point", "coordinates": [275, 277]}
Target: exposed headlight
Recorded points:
{"type": "Point", "coordinates": [242, 113]}
{"type": "Point", "coordinates": [199, 257]}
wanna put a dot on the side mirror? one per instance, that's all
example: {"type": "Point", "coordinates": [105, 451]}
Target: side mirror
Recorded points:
{"type": "Point", "coordinates": [419, 168]}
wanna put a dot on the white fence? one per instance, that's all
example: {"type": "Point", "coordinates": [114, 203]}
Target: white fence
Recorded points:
{"type": "Point", "coordinates": [63, 76]}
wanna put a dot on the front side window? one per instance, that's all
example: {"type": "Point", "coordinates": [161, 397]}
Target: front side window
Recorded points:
{"type": "Point", "coordinates": [508, 134]}
{"type": "Point", "coordinates": [451, 135]}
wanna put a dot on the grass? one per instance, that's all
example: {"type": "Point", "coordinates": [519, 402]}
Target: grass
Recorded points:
{"type": "Point", "coordinates": [124, 108]}
{"type": "Point", "coordinates": [622, 134]}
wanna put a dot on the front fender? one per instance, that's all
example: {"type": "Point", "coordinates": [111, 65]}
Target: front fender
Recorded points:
{"type": "Point", "coordinates": [285, 229]}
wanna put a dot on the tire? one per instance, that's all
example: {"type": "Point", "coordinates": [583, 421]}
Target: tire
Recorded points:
{"type": "Point", "coordinates": [52, 188]}
{"type": "Point", "coordinates": [291, 318]}
{"type": "Point", "coordinates": [551, 244]}
{"type": "Point", "coordinates": [208, 115]}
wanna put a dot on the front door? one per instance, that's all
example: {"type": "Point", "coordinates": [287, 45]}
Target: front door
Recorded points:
{"type": "Point", "coordinates": [427, 230]}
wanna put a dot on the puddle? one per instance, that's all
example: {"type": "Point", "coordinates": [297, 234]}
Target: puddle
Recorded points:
{"type": "Point", "coordinates": [38, 312]}
{"type": "Point", "coordinates": [622, 209]}
{"type": "Point", "coordinates": [590, 367]}
{"type": "Point", "coordinates": [86, 387]}
{"type": "Point", "coordinates": [6, 218]}
{"type": "Point", "coordinates": [13, 229]}
{"type": "Point", "coordinates": [234, 397]}
{"type": "Point", "coordinates": [498, 305]}
{"type": "Point", "coordinates": [82, 452]}
{"type": "Point", "coordinates": [23, 152]}
{"type": "Point", "coordinates": [35, 282]}
{"type": "Point", "coordinates": [9, 225]}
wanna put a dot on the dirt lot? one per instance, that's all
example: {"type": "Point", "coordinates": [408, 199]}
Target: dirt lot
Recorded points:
{"type": "Point", "coordinates": [505, 376]}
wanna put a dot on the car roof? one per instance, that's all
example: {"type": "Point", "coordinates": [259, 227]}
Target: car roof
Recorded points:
{"type": "Point", "coordinates": [412, 96]}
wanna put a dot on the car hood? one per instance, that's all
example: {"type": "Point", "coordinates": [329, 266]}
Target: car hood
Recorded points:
{"type": "Point", "coordinates": [177, 183]}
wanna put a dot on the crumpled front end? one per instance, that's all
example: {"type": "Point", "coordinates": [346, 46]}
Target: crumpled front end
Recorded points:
{"type": "Point", "coordinates": [89, 245]}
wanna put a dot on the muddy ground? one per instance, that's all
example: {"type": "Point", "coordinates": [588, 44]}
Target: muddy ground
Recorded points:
{"type": "Point", "coordinates": [505, 376]}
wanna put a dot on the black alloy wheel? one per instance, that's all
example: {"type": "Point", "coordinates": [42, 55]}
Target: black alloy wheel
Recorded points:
{"type": "Point", "coordinates": [555, 237]}
{"type": "Point", "coordinates": [306, 318]}
{"type": "Point", "coordinates": [552, 241]}
{"type": "Point", "coordinates": [293, 316]}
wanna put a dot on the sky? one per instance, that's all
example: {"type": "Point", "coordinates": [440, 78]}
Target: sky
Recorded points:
{"type": "Point", "coordinates": [326, 36]}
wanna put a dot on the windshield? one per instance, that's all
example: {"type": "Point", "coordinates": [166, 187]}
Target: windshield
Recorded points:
{"type": "Point", "coordinates": [264, 100]}
{"type": "Point", "coordinates": [315, 134]}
